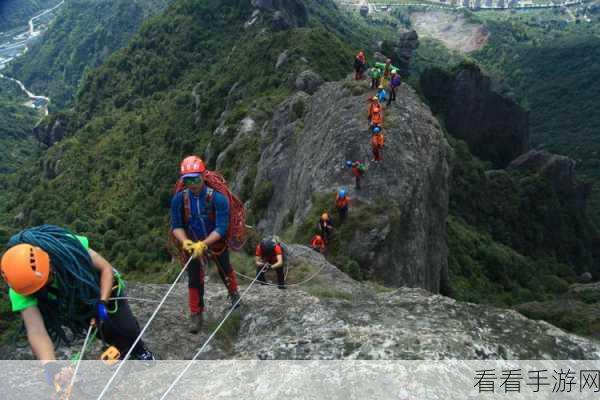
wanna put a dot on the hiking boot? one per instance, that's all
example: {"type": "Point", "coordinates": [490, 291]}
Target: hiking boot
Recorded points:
{"type": "Point", "coordinates": [196, 321]}
{"type": "Point", "coordinates": [234, 299]}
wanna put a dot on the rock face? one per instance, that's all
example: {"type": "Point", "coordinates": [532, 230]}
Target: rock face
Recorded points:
{"type": "Point", "coordinates": [495, 128]}
{"type": "Point", "coordinates": [310, 139]}
{"type": "Point", "coordinates": [333, 317]}
{"type": "Point", "coordinates": [560, 170]}
{"type": "Point", "coordinates": [308, 81]}
{"type": "Point", "coordinates": [408, 42]}
{"type": "Point", "coordinates": [285, 14]}
{"type": "Point", "coordinates": [51, 131]}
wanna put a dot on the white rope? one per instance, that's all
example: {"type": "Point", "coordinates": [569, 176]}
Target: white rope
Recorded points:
{"type": "Point", "coordinates": [134, 299]}
{"type": "Point", "coordinates": [81, 353]}
{"type": "Point", "coordinates": [291, 285]}
{"type": "Point", "coordinates": [143, 330]}
{"type": "Point", "coordinates": [212, 335]}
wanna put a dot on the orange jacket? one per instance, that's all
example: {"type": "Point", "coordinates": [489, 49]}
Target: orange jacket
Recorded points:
{"type": "Point", "coordinates": [341, 203]}
{"type": "Point", "coordinates": [377, 141]}
{"type": "Point", "coordinates": [376, 114]}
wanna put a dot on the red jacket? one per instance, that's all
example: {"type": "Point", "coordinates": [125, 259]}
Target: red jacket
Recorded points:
{"type": "Point", "coordinates": [273, 258]}
{"type": "Point", "coordinates": [317, 243]}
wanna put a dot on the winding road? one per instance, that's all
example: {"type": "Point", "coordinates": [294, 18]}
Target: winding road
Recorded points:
{"type": "Point", "coordinates": [16, 47]}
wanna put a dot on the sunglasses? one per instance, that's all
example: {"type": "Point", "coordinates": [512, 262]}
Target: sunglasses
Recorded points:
{"type": "Point", "coordinates": [192, 180]}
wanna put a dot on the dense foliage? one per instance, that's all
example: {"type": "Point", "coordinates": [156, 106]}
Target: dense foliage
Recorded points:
{"type": "Point", "coordinates": [14, 13]}
{"type": "Point", "coordinates": [86, 33]}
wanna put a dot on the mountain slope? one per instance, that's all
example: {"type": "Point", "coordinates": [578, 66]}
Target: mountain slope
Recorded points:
{"type": "Point", "coordinates": [14, 13]}
{"type": "Point", "coordinates": [84, 34]}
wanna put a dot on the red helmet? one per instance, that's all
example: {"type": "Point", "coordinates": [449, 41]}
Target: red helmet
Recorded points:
{"type": "Point", "coordinates": [192, 166]}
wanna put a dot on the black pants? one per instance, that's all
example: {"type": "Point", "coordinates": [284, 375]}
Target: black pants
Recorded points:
{"type": "Point", "coordinates": [280, 276]}
{"type": "Point", "coordinates": [343, 213]}
{"type": "Point", "coordinates": [122, 328]}
{"type": "Point", "coordinates": [392, 95]}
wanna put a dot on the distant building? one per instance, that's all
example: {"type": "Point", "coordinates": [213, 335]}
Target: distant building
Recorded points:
{"type": "Point", "coordinates": [500, 4]}
{"type": "Point", "coordinates": [513, 3]}
{"type": "Point", "coordinates": [477, 4]}
{"type": "Point", "coordinates": [489, 3]}
{"type": "Point", "coordinates": [466, 3]}
{"type": "Point", "coordinates": [364, 11]}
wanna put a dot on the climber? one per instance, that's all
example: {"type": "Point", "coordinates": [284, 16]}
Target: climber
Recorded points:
{"type": "Point", "coordinates": [200, 222]}
{"type": "Point", "coordinates": [57, 283]}
{"type": "Point", "coordinates": [381, 94]}
{"type": "Point", "coordinates": [342, 201]}
{"type": "Point", "coordinates": [358, 171]}
{"type": "Point", "coordinates": [318, 244]}
{"type": "Point", "coordinates": [394, 83]}
{"type": "Point", "coordinates": [387, 71]}
{"type": "Point", "coordinates": [325, 227]}
{"type": "Point", "coordinates": [360, 65]}
{"type": "Point", "coordinates": [375, 75]}
{"type": "Point", "coordinates": [377, 143]}
{"type": "Point", "coordinates": [375, 113]}
{"type": "Point", "coordinates": [270, 252]}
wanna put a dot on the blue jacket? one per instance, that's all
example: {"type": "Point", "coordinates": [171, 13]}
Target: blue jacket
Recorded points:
{"type": "Point", "coordinates": [381, 95]}
{"type": "Point", "coordinates": [201, 224]}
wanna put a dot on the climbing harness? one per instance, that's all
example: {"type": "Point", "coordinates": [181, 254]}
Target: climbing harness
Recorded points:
{"type": "Point", "coordinates": [139, 337]}
{"type": "Point", "coordinates": [212, 335]}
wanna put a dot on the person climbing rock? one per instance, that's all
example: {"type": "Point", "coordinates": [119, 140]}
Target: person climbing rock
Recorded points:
{"type": "Point", "coordinates": [375, 115]}
{"type": "Point", "coordinates": [318, 244]}
{"type": "Point", "coordinates": [381, 94]}
{"type": "Point", "coordinates": [358, 170]}
{"type": "Point", "coordinates": [360, 66]}
{"type": "Point", "coordinates": [395, 81]}
{"type": "Point", "coordinates": [387, 72]}
{"type": "Point", "coordinates": [342, 202]}
{"type": "Point", "coordinates": [59, 284]}
{"type": "Point", "coordinates": [375, 75]}
{"type": "Point", "coordinates": [325, 227]}
{"type": "Point", "coordinates": [377, 143]}
{"type": "Point", "coordinates": [200, 222]}
{"type": "Point", "coordinates": [270, 252]}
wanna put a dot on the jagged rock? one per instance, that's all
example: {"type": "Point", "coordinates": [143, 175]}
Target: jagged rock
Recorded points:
{"type": "Point", "coordinates": [282, 59]}
{"type": "Point", "coordinates": [586, 277]}
{"type": "Point", "coordinates": [495, 128]}
{"type": "Point", "coordinates": [560, 170]}
{"type": "Point", "coordinates": [308, 81]}
{"type": "Point", "coordinates": [285, 14]}
{"type": "Point", "coordinates": [334, 317]}
{"type": "Point", "coordinates": [51, 132]}
{"type": "Point", "coordinates": [405, 243]}
{"type": "Point", "coordinates": [408, 43]}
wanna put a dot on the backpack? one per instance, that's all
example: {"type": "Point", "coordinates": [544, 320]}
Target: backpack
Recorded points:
{"type": "Point", "coordinates": [236, 232]}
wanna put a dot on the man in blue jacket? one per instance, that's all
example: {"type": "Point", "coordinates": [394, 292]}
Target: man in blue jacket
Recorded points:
{"type": "Point", "coordinates": [199, 221]}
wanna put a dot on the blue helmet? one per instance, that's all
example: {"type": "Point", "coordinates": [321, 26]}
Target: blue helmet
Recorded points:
{"type": "Point", "coordinates": [348, 163]}
{"type": "Point", "coordinates": [376, 129]}
{"type": "Point", "coordinates": [342, 193]}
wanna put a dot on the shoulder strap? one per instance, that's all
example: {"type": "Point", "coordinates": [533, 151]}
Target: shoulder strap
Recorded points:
{"type": "Point", "coordinates": [187, 207]}
{"type": "Point", "coordinates": [209, 203]}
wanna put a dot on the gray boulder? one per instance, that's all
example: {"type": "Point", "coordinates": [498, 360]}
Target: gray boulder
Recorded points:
{"type": "Point", "coordinates": [308, 81]}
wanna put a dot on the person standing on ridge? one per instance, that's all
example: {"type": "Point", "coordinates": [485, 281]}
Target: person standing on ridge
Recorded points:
{"type": "Point", "coordinates": [360, 66]}
{"type": "Point", "coordinates": [377, 143]}
{"type": "Point", "coordinates": [395, 82]}
{"type": "Point", "coordinates": [381, 94]}
{"type": "Point", "coordinates": [318, 244]}
{"type": "Point", "coordinates": [325, 227]}
{"type": "Point", "coordinates": [375, 75]}
{"type": "Point", "coordinates": [270, 252]}
{"type": "Point", "coordinates": [375, 115]}
{"type": "Point", "coordinates": [200, 222]}
{"type": "Point", "coordinates": [57, 282]}
{"type": "Point", "coordinates": [342, 202]}
{"type": "Point", "coordinates": [358, 170]}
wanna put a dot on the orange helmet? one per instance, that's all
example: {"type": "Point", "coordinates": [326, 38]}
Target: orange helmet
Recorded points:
{"type": "Point", "coordinates": [325, 217]}
{"type": "Point", "coordinates": [192, 166]}
{"type": "Point", "coordinates": [25, 268]}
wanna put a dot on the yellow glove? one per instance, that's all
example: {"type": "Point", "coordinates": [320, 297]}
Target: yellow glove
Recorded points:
{"type": "Point", "coordinates": [198, 249]}
{"type": "Point", "coordinates": [187, 245]}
